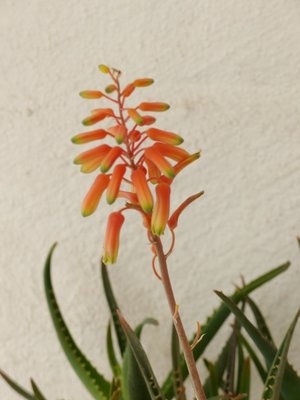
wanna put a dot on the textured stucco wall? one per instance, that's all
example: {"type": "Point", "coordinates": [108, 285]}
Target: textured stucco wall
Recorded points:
{"type": "Point", "coordinates": [230, 69]}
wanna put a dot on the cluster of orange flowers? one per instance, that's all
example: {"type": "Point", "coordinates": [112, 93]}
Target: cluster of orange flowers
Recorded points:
{"type": "Point", "coordinates": [142, 157]}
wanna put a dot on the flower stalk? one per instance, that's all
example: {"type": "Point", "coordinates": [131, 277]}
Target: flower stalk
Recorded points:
{"type": "Point", "coordinates": [186, 348]}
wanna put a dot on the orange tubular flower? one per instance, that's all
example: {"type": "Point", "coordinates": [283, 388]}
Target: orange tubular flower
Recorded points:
{"type": "Point", "coordinates": [164, 136]}
{"type": "Point", "coordinates": [185, 162]}
{"type": "Point", "coordinates": [91, 200]}
{"type": "Point", "coordinates": [91, 166]}
{"type": "Point", "coordinates": [128, 90]}
{"type": "Point", "coordinates": [112, 237]}
{"type": "Point", "coordinates": [97, 116]}
{"type": "Point", "coordinates": [170, 151]}
{"type": "Point", "coordinates": [161, 209]}
{"type": "Point", "coordinates": [142, 190]}
{"type": "Point", "coordinates": [148, 120]}
{"type": "Point", "coordinates": [143, 82]}
{"type": "Point", "coordinates": [162, 164]}
{"type": "Point", "coordinates": [87, 137]}
{"type": "Point", "coordinates": [119, 132]}
{"type": "Point", "coordinates": [92, 154]}
{"type": "Point", "coordinates": [153, 172]}
{"type": "Point", "coordinates": [115, 183]}
{"type": "Point", "coordinates": [135, 116]}
{"type": "Point", "coordinates": [154, 106]}
{"type": "Point", "coordinates": [91, 94]}
{"type": "Point", "coordinates": [110, 158]}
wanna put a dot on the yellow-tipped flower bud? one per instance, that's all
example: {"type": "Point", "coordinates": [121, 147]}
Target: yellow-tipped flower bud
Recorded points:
{"type": "Point", "coordinates": [91, 94]}
{"type": "Point", "coordinates": [103, 68]}
{"type": "Point", "coordinates": [110, 88]}
{"type": "Point", "coordinates": [161, 209]}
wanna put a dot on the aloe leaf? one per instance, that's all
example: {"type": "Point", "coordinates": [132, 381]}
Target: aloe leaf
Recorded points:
{"type": "Point", "coordinates": [214, 323]}
{"type": "Point", "coordinates": [113, 306]}
{"type": "Point", "coordinates": [231, 363]}
{"type": "Point", "coordinates": [115, 367]}
{"type": "Point", "coordinates": [133, 383]}
{"type": "Point", "coordinates": [179, 388]}
{"type": "Point", "coordinates": [260, 320]}
{"type": "Point", "coordinates": [94, 382]}
{"type": "Point", "coordinates": [213, 388]}
{"type": "Point", "coordinates": [275, 376]}
{"type": "Point", "coordinates": [219, 366]}
{"type": "Point", "coordinates": [115, 389]}
{"type": "Point", "coordinates": [16, 387]}
{"type": "Point", "coordinates": [142, 361]}
{"type": "Point", "coordinates": [260, 369]}
{"type": "Point", "coordinates": [38, 395]}
{"type": "Point", "coordinates": [244, 387]}
{"type": "Point", "coordinates": [241, 360]}
{"type": "Point", "coordinates": [291, 382]}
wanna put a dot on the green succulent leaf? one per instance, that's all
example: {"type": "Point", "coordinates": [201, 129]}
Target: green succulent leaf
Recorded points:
{"type": "Point", "coordinates": [275, 376]}
{"type": "Point", "coordinates": [213, 388]}
{"type": "Point", "coordinates": [133, 382]}
{"type": "Point", "coordinates": [16, 387]}
{"type": "Point", "coordinates": [244, 386]}
{"type": "Point", "coordinates": [260, 320]}
{"type": "Point", "coordinates": [94, 382]}
{"type": "Point", "coordinates": [113, 306]}
{"type": "Point", "coordinates": [179, 388]}
{"type": "Point", "coordinates": [214, 323]}
{"type": "Point", "coordinates": [241, 360]}
{"type": "Point", "coordinates": [154, 391]}
{"type": "Point", "coordinates": [260, 369]}
{"type": "Point", "coordinates": [115, 367]}
{"type": "Point", "coordinates": [37, 392]}
{"type": "Point", "coordinates": [115, 389]}
{"type": "Point", "coordinates": [219, 366]}
{"type": "Point", "coordinates": [291, 382]}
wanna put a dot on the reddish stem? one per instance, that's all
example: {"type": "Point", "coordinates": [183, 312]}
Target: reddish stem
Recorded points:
{"type": "Point", "coordinates": [187, 351]}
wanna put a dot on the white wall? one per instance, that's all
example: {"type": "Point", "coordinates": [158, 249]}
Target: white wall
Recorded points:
{"type": "Point", "coordinates": [230, 70]}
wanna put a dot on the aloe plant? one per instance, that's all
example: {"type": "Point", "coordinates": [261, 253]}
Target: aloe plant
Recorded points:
{"type": "Point", "coordinates": [144, 162]}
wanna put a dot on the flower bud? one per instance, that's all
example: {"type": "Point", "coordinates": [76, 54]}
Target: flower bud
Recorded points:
{"type": "Point", "coordinates": [143, 192]}
{"type": "Point", "coordinates": [143, 82]}
{"type": "Point", "coordinates": [164, 136]}
{"type": "Point", "coordinates": [128, 90]}
{"type": "Point", "coordinates": [103, 68]}
{"type": "Point", "coordinates": [87, 137]}
{"type": "Point", "coordinates": [135, 116]}
{"type": "Point", "coordinates": [112, 237]}
{"type": "Point", "coordinates": [161, 209]}
{"type": "Point", "coordinates": [148, 120]}
{"type": "Point", "coordinates": [170, 151]}
{"type": "Point", "coordinates": [98, 115]}
{"type": "Point", "coordinates": [119, 132]}
{"type": "Point", "coordinates": [89, 155]}
{"type": "Point", "coordinates": [154, 106]}
{"type": "Point", "coordinates": [91, 94]}
{"type": "Point", "coordinates": [115, 183]}
{"type": "Point", "coordinates": [162, 164]}
{"type": "Point", "coordinates": [110, 158]}
{"type": "Point", "coordinates": [110, 88]}
{"type": "Point", "coordinates": [91, 200]}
